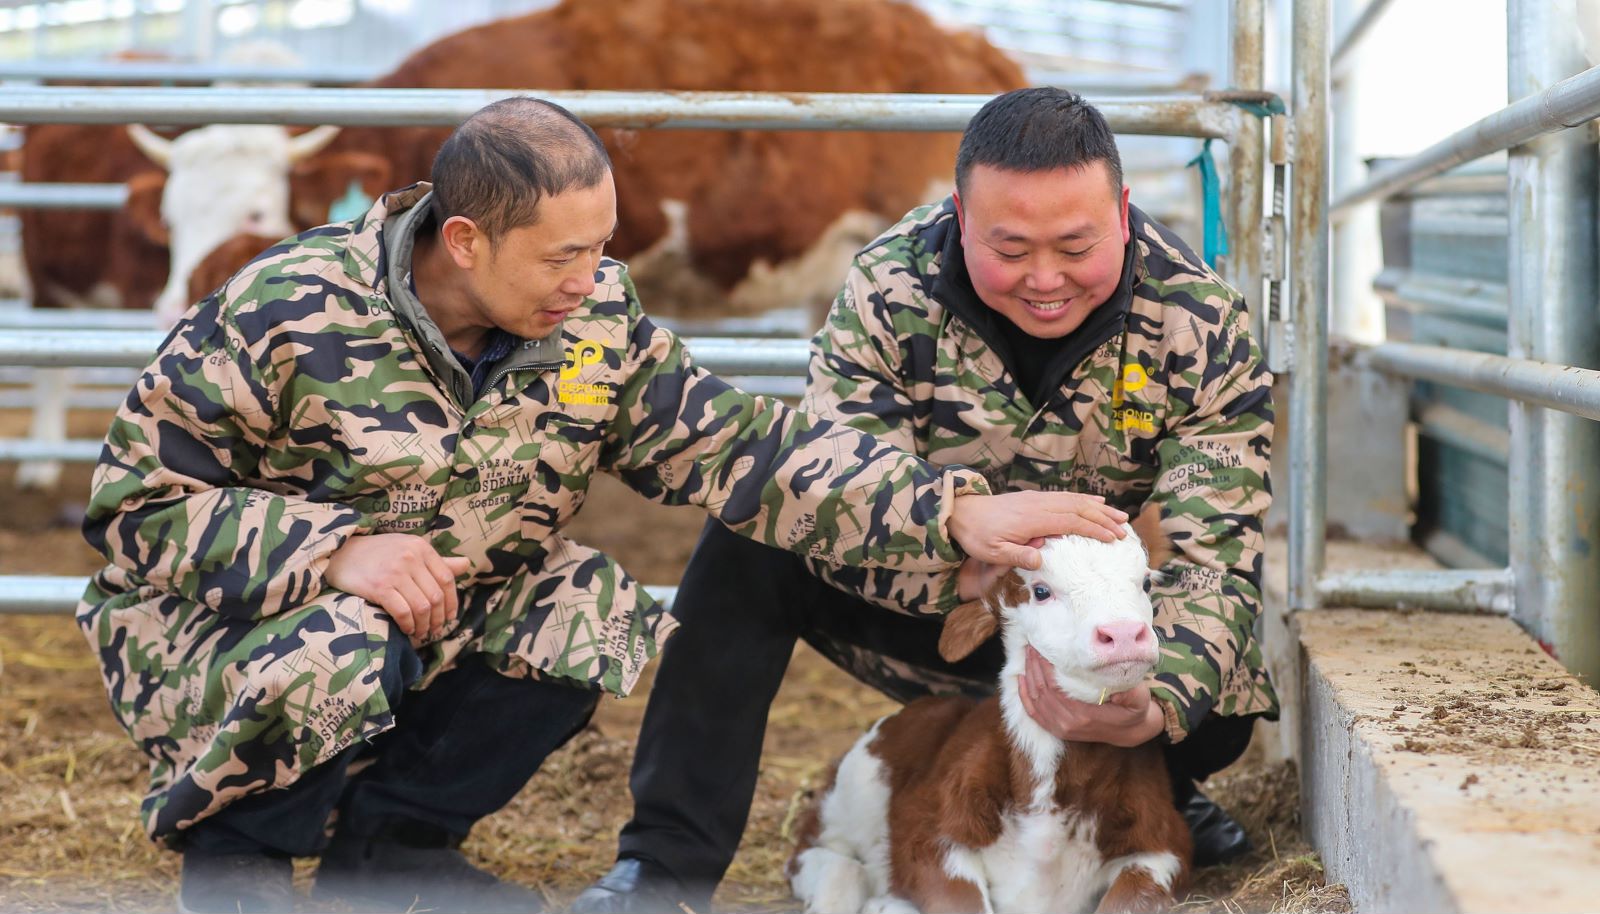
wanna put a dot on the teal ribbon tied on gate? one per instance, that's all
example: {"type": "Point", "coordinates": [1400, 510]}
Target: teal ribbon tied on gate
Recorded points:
{"type": "Point", "coordinates": [1215, 243]}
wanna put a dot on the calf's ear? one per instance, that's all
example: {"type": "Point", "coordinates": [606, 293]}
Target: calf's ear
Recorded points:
{"type": "Point", "coordinates": [967, 626]}
{"type": "Point", "coordinates": [1157, 545]}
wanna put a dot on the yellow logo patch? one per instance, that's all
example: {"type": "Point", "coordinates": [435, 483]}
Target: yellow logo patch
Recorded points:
{"type": "Point", "coordinates": [1133, 378]}
{"type": "Point", "coordinates": [579, 357]}
{"type": "Point", "coordinates": [1139, 420]}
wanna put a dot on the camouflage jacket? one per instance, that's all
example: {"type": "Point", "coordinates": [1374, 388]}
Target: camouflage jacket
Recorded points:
{"type": "Point", "coordinates": [1173, 406]}
{"type": "Point", "coordinates": [293, 409]}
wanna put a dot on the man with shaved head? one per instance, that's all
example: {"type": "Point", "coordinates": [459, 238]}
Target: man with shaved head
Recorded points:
{"type": "Point", "coordinates": [1036, 326]}
{"type": "Point", "coordinates": [332, 509]}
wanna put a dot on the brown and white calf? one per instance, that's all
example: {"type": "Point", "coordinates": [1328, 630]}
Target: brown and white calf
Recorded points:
{"type": "Point", "coordinates": [955, 804]}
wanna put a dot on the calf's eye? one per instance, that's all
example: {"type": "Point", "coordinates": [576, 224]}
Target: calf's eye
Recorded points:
{"type": "Point", "coordinates": [1041, 592]}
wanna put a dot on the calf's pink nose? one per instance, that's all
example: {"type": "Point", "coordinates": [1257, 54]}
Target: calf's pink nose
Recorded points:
{"type": "Point", "coordinates": [1118, 641]}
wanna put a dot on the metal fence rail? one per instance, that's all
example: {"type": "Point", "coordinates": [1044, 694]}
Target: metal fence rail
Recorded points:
{"type": "Point", "coordinates": [1194, 116]}
{"type": "Point", "coordinates": [752, 357]}
{"type": "Point", "coordinates": [16, 195]}
{"type": "Point", "coordinates": [1570, 103]}
{"type": "Point", "coordinates": [1558, 387]}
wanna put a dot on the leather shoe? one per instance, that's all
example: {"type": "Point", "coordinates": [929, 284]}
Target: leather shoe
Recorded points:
{"type": "Point", "coordinates": [1217, 837]}
{"type": "Point", "coordinates": [637, 885]}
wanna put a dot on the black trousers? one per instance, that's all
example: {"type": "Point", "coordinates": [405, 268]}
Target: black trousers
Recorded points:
{"type": "Point", "coordinates": [743, 605]}
{"type": "Point", "coordinates": [460, 750]}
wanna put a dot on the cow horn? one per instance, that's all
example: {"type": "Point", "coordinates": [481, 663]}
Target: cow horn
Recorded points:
{"type": "Point", "coordinates": [311, 142]}
{"type": "Point", "coordinates": [158, 149]}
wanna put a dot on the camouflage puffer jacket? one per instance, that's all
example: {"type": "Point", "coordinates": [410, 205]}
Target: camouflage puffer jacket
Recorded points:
{"type": "Point", "coordinates": [1171, 406]}
{"type": "Point", "coordinates": [294, 409]}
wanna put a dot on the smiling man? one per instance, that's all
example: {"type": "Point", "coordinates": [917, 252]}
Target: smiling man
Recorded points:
{"type": "Point", "coordinates": [332, 510]}
{"type": "Point", "coordinates": [1039, 328]}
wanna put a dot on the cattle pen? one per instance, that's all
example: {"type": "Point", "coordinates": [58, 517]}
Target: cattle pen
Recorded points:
{"type": "Point", "coordinates": [1442, 719]}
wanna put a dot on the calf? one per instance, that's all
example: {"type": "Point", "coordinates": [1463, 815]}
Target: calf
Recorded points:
{"type": "Point", "coordinates": [955, 804]}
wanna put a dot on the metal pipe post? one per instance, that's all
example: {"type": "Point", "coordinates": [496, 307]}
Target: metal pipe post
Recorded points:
{"type": "Point", "coordinates": [1357, 314]}
{"type": "Point", "coordinates": [1554, 515]}
{"type": "Point", "coordinates": [1246, 177]}
{"type": "Point", "coordinates": [1340, 59]}
{"type": "Point", "coordinates": [1308, 377]}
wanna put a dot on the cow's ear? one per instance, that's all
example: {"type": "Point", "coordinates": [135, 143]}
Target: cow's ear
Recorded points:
{"type": "Point", "coordinates": [1157, 545]}
{"type": "Point", "coordinates": [144, 205]}
{"type": "Point", "coordinates": [318, 184]}
{"type": "Point", "coordinates": [967, 626]}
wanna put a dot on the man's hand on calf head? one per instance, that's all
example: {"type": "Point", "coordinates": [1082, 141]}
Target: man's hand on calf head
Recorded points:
{"type": "Point", "coordinates": [404, 575]}
{"type": "Point", "coordinates": [1126, 719]}
{"type": "Point", "coordinates": [1005, 529]}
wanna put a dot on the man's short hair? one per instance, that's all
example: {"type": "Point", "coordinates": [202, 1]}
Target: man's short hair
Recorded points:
{"type": "Point", "coordinates": [1038, 129]}
{"type": "Point", "coordinates": [496, 167]}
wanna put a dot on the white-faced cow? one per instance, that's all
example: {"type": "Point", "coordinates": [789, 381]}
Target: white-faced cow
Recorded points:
{"type": "Point", "coordinates": [954, 804]}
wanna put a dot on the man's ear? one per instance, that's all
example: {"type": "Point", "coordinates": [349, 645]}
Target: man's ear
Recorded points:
{"type": "Point", "coordinates": [967, 626]}
{"type": "Point", "coordinates": [463, 241]}
{"type": "Point", "coordinates": [1127, 228]}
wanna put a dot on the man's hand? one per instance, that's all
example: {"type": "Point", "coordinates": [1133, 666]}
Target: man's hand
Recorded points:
{"type": "Point", "coordinates": [1002, 529]}
{"type": "Point", "coordinates": [404, 575]}
{"type": "Point", "coordinates": [1127, 719]}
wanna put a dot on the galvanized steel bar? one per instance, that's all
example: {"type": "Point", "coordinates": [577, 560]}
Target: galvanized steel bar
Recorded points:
{"type": "Point", "coordinates": [1568, 103]}
{"type": "Point", "coordinates": [62, 196]}
{"type": "Point", "coordinates": [1308, 377]}
{"type": "Point", "coordinates": [1554, 516]}
{"type": "Point", "coordinates": [1558, 387]}
{"type": "Point", "coordinates": [1484, 301]}
{"type": "Point", "coordinates": [1168, 116]}
{"type": "Point", "coordinates": [1352, 37]}
{"type": "Point", "coordinates": [134, 348]}
{"type": "Point", "coordinates": [25, 318]}
{"type": "Point", "coordinates": [782, 323]}
{"type": "Point", "coordinates": [74, 451]}
{"type": "Point", "coordinates": [1455, 590]}
{"type": "Point", "coordinates": [53, 595]}
{"type": "Point", "coordinates": [1244, 266]}
{"type": "Point", "coordinates": [160, 71]}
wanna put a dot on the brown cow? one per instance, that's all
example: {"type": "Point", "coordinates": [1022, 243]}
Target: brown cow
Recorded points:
{"type": "Point", "coordinates": [747, 198]}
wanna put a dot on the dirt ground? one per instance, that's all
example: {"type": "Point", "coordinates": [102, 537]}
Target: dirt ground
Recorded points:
{"type": "Point", "coordinates": [70, 780]}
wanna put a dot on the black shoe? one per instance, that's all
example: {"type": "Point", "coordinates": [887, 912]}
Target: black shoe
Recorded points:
{"type": "Point", "coordinates": [236, 884]}
{"type": "Point", "coordinates": [382, 873]}
{"type": "Point", "coordinates": [1217, 837]}
{"type": "Point", "coordinates": [640, 886]}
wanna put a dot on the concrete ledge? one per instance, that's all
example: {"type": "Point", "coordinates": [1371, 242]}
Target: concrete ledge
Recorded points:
{"type": "Point", "coordinates": [1447, 763]}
